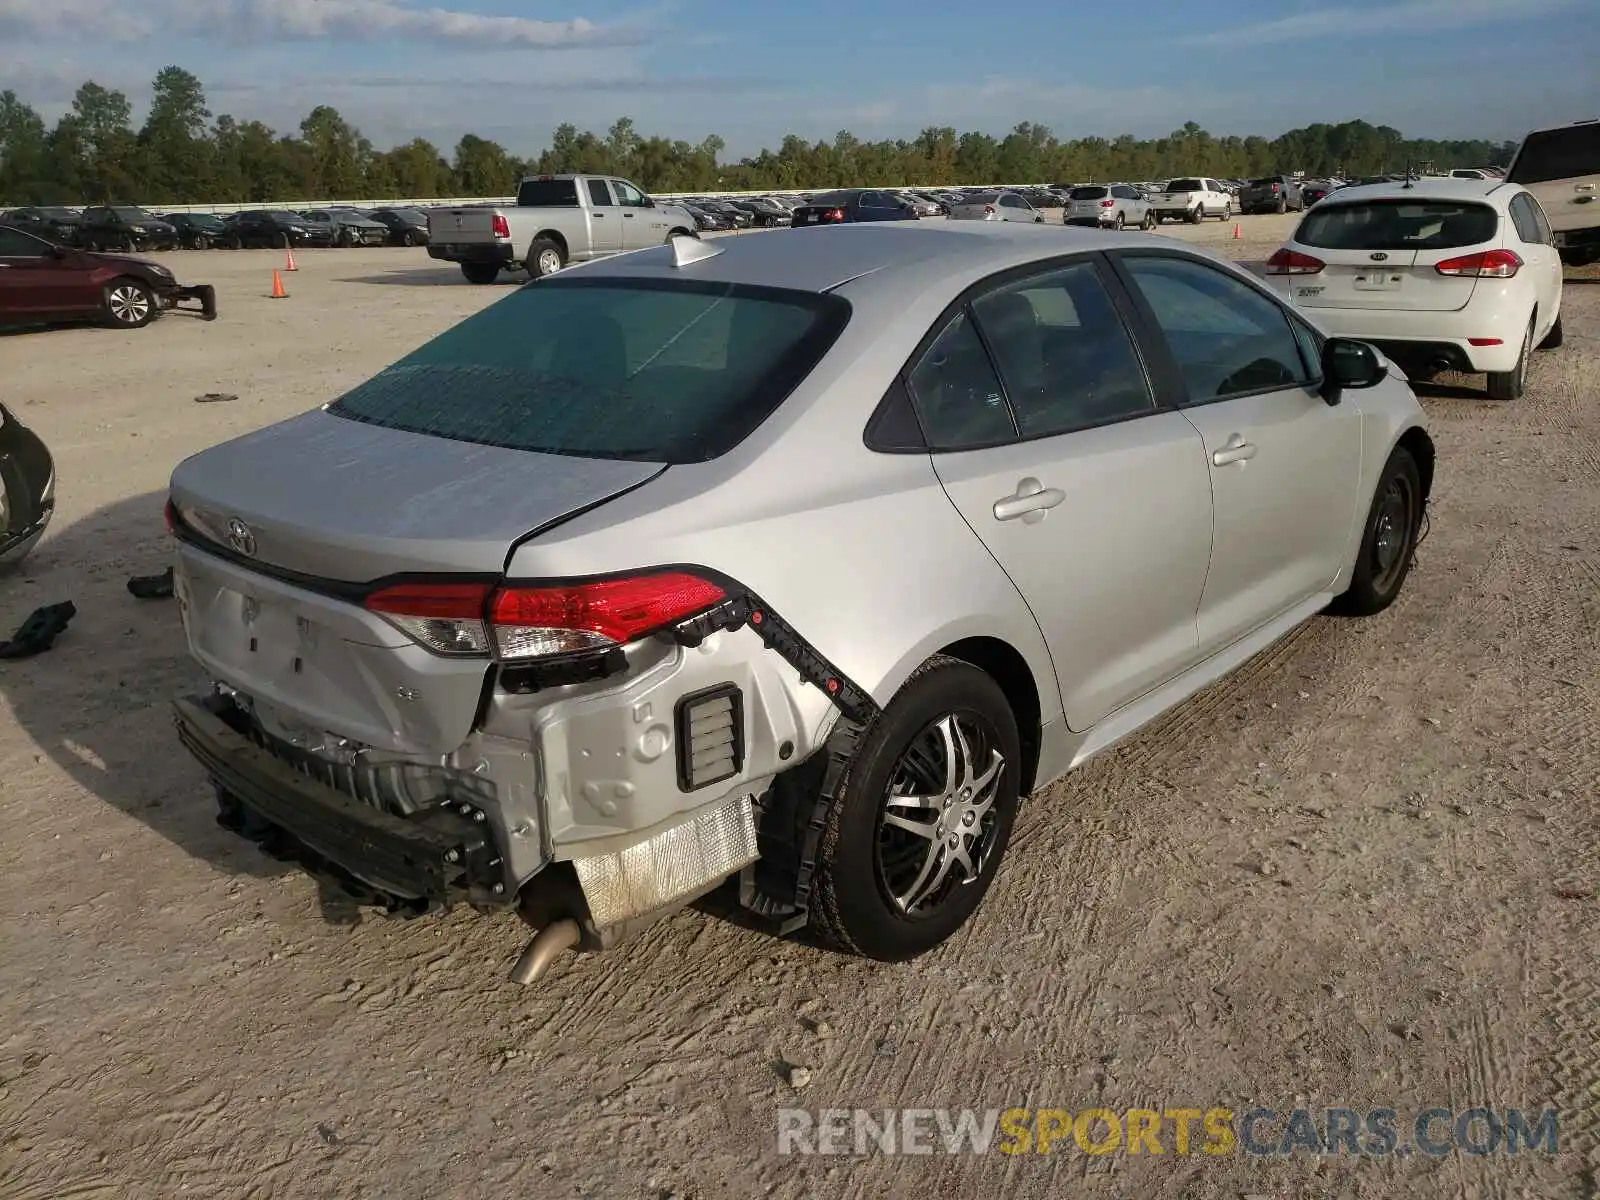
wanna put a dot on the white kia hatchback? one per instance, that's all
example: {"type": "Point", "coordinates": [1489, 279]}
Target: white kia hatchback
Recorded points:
{"type": "Point", "coordinates": [1438, 274]}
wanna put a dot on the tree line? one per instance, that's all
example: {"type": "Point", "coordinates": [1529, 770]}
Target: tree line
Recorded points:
{"type": "Point", "coordinates": [182, 154]}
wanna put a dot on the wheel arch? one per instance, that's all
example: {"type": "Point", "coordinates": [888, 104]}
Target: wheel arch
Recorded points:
{"type": "Point", "coordinates": [1003, 663]}
{"type": "Point", "coordinates": [1416, 442]}
{"type": "Point", "coordinates": [554, 235]}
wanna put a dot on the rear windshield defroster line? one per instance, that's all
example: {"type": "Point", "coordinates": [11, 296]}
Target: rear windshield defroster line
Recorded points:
{"type": "Point", "coordinates": [649, 370]}
{"type": "Point", "coordinates": [1398, 224]}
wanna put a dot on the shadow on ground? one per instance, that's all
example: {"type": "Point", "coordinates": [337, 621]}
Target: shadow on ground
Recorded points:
{"type": "Point", "coordinates": [429, 277]}
{"type": "Point", "coordinates": [97, 703]}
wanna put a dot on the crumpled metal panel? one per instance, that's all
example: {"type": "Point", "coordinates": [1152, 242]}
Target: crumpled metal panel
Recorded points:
{"type": "Point", "coordinates": [679, 862]}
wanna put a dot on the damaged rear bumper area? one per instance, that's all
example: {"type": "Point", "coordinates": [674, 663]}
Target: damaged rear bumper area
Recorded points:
{"type": "Point", "coordinates": [435, 857]}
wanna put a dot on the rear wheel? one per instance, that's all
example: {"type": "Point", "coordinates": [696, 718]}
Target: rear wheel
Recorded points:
{"type": "Point", "coordinates": [1554, 337]}
{"type": "Point", "coordinates": [1389, 540]}
{"type": "Point", "coordinates": [1283, 205]}
{"type": "Point", "coordinates": [1227, 211]}
{"type": "Point", "coordinates": [545, 257]}
{"type": "Point", "coordinates": [1509, 385]}
{"type": "Point", "coordinates": [130, 304]}
{"type": "Point", "coordinates": [480, 272]}
{"type": "Point", "coordinates": [1197, 214]}
{"type": "Point", "coordinates": [918, 829]}
{"type": "Point", "coordinates": [1120, 223]}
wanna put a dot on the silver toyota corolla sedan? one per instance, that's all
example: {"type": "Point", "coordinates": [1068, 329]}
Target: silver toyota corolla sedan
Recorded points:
{"type": "Point", "coordinates": [795, 561]}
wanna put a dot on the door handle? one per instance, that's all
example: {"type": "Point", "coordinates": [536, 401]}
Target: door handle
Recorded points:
{"type": "Point", "coordinates": [597, 216]}
{"type": "Point", "coordinates": [1236, 451]}
{"type": "Point", "coordinates": [1031, 501]}
{"type": "Point", "coordinates": [627, 216]}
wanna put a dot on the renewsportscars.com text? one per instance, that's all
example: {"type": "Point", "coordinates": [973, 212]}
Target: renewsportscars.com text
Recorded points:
{"type": "Point", "coordinates": [1261, 1132]}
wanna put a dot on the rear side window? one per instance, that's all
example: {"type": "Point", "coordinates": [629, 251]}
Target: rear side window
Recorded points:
{"type": "Point", "coordinates": [1557, 154]}
{"type": "Point", "coordinates": [670, 372]}
{"type": "Point", "coordinates": [548, 193]}
{"type": "Point", "coordinates": [599, 193]}
{"type": "Point", "coordinates": [1087, 193]}
{"type": "Point", "coordinates": [1398, 225]}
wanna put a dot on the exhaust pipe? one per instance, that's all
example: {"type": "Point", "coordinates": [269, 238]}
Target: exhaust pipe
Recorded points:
{"type": "Point", "coordinates": [543, 948]}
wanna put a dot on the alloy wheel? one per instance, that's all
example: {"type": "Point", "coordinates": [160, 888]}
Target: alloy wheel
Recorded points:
{"type": "Point", "coordinates": [549, 262]}
{"type": "Point", "coordinates": [129, 305]}
{"type": "Point", "coordinates": [937, 822]}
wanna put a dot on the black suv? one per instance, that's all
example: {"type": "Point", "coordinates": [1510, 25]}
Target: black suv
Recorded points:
{"type": "Point", "coordinates": [197, 231]}
{"type": "Point", "coordinates": [276, 228]}
{"type": "Point", "coordinates": [125, 227]}
{"type": "Point", "coordinates": [406, 226]}
{"type": "Point", "coordinates": [59, 225]}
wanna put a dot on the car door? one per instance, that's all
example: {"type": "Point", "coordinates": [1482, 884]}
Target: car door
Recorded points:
{"type": "Point", "coordinates": [641, 224]}
{"type": "Point", "coordinates": [1532, 228]}
{"type": "Point", "coordinates": [605, 216]}
{"type": "Point", "coordinates": [25, 275]}
{"type": "Point", "coordinates": [1014, 208]}
{"type": "Point", "coordinates": [1046, 435]}
{"type": "Point", "coordinates": [1284, 464]}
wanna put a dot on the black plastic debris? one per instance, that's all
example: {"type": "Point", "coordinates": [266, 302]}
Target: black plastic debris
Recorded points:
{"type": "Point", "coordinates": [215, 397]}
{"type": "Point", "coordinates": [151, 587]}
{"type": "Point", "coordinates": [39, 632]}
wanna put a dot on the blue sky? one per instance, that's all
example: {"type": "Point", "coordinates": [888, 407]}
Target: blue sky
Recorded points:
{"type": "Point", "coordinates": [754, 71]}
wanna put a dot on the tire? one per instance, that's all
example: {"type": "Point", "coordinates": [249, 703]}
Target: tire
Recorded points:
{"type": "Point", "coordinates": [130, 304]}
{"type": "Point", "coordinates": [854, 904]}
{"type": "Point", "coordinates": [281, 241]}
{"type": "Point", "coordinates": [545, 257]}
{"type": "Point", "coordinates": [1388, 539]}
{"type": "Point", "coordinates": [1227, 213]}
{"type": "Point", "coordinates": [480, 272]}
{"type": "Point", "coordinates": [1197, 214]}
{"type": "Point", "coordinates": [1283, 205]}
{"type": "Point", "coordinates": [1150, 221]}
{"type": "Point", "coordinates": [672, 233]}
{"type": "Point", "coordinates": [347, 237]}
{"type": "Point", "coordinates": [1509, 385]}
{"type": "Point", "coordinates": [201, 242]}
{"type": "Point", "coordinates": [1120, 223]}
{"type": "Point", "coordinates": [1554, 338]}
{"type": "Point", "coordinates": [408, 238]}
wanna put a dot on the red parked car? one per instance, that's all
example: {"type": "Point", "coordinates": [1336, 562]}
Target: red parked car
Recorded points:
{"type": "Point", "coordinates": [41, 281]}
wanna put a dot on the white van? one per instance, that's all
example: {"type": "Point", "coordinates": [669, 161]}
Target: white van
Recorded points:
{"type": "Point", "coordinates": [1561, 167]}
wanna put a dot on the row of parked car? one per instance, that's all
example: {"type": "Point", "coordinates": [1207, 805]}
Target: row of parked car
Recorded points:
{"type": "Point", "coordinates": [129, 227]}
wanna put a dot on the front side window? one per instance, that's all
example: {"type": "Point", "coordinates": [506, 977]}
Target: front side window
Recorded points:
{"type": "Point", "coordinates": [628, 196]}
{"type": "Point", "coordinates": [958, 394]}
{"type": "Point", "coordinates": [669, 372]}
{"type": "Point", "coordinates": [1228, 338]}
{"type": "Point", "coordinates": [1064, 354]}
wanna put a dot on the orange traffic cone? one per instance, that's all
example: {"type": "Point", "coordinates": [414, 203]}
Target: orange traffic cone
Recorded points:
{"type": "Point", "coordinates": [1237, 232]}
{"type": "Point", "coordinates": [277, 288]}
{"type": "Point", "coordinates": [288, 264]}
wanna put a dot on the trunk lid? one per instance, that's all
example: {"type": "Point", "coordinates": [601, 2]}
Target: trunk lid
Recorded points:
{"type": "Point", "coordinates": [338, 499]}
{"type": "Point", "coordinates": [1381, 254]}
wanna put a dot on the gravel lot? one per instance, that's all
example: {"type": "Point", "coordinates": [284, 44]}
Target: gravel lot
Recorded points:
{"type": "Point", "coordinates": [1360, 872]}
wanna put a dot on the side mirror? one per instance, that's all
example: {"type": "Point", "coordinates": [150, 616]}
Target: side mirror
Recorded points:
{"type": "Point", "coordinates": [1347, 363]}
{"type": "Point", "coordinates": [58, 251]}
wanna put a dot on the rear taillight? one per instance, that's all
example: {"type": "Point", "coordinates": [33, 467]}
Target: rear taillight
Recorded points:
{"type": "Point", "coordinates": [501, 226]}
{"type": "Point", "coordinates": [1276, 188]}
{"type": "Point", "coordinates": [519, 623]}
{"type": "Point", "coordinates": [534, 622]}
{"type": "Point", "coordinates": [1292, 262]}
{"type": "Point", "coordinates": [447, 618]}
{"type": "Point", "coordinates": [1107, 203]}
{"type": "Point", "coordinates": [1490, 264]}
{"type": "Point", "coordinates": [169, 514]}
{"type": "Point", "coordinates": [988, 208]}
{"type": "Point", "coordinates": [834, 214]}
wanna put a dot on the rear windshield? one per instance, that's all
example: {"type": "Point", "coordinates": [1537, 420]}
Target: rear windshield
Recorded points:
{"type": "Point", "coordinates": [548, 193]}
{"type": "Point", "coordinates": [1267, 182]}
{"type": "Point", "coordinates": [1557, 154]}
{"type": "Point", "coordinates": [654, 371]}
{"type": "Point", "coordinates": [1185, 185]}
{"type": "Point", "coordinates": [1398, 225]}
{"type": "Point", "coordinates": [983, 198]}
{"type": "Point", "coordinates": [833, 199]}
{"type": "Point", "coordinates": [1088, 193]}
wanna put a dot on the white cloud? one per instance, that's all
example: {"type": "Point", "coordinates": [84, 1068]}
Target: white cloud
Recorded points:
{"type": "Point", "coordinates": [1409, 16]}
{"type": "Point", "coordinates": [255, 21]}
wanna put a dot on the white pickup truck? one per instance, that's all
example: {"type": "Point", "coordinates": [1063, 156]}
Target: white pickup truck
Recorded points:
{"type": "Point", "coordinates": [558, 219]}
{"type": "Point", "coordinates": [1193, 200]}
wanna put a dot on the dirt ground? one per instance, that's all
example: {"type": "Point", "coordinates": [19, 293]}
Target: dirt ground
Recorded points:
{"type": "Point", "coordinates": [1360, 872]}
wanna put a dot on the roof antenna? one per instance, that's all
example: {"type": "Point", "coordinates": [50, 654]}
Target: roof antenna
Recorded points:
{"type": "Point", "coordinates": [686, 250]}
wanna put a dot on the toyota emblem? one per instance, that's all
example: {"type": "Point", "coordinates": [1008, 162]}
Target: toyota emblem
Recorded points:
{"type": "Point", "coordinates": [1380, 256]}
{"type": "Point", "coordinates": [241, 538]}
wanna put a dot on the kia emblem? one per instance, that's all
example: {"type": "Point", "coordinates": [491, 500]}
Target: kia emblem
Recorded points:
{"type": "Point", "coordinates": [1380, 256]}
